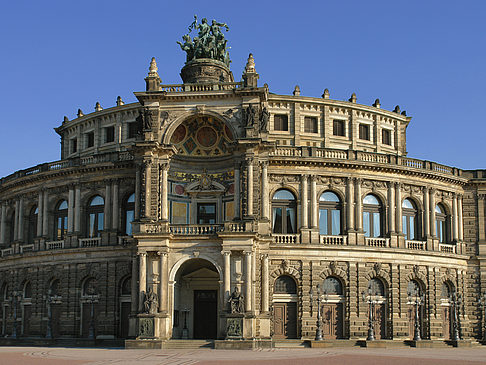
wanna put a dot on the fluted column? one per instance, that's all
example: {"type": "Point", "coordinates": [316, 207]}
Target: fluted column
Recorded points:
{"type": "Point", "coordinates": [115, 210]}
{"type": "Point", "coordinates": [455, 221]}
{"type": "Point", "coordinates": [16, 221]}
{"type": "Point", "coordinates": [391, 208]}
{"type": "Point", "coordinates": [265, 287]}
{"type": "Point", "coordinates": [237, 199]}
{"type": "Point", "coordinates": [460, 219]}
{"type": "Point", "coordinates": [3, 224]}
{"type": "Point", "coordinates": [265, 197]}
{"type": "Point", "coordinates": [249, 210]}
{"type": "Point", "coordinates": [77, 209]}
{"type": "Point", "coordinates": [248, 280]}
{"type": "Point", "coordinates": [137, 193]}
{"type": "Point", "coordinates": [142, 280]}
{"type": "Point", "coordinates": [40, 205]}
{"type": "Point", "coordinates": [305, 198]}
{"type": "Point", "coordinates": [426, 212]}
{"type": "Point", "coordinates": [432, 213]}
{"type": "Point", "coordinates": [313, 201]}
{"type": "Point", "coordinates": [164, 282]}
{"type": "Point", "coordinates": [359, 205]}
{"type": "Point", "coordinates": [147, 187]}
{"type": "Point", "coordinates": [165, 192]}
{"type": "Point", "coordinates": [70, 210]}
{"type": "Point", "coordinates": [45, 225]}
{"type": "Point", "coordinates": [350, 204]}
{"type": "Point", "coordinates": [107, 208]}
{"type": "Point", "coordinates": [133, 285]}
{"type": "Point", "coordinates": [227, 275]}
{"type": "Point", "coordinates": [398, 208]}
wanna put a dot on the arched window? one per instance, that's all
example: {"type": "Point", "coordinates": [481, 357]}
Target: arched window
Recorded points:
{"type": "Point", "coordinates": [414, 289]}
{"type": "Point", "coordinates": [95, 217]}
{"type": "Point", "coordinates": [329, 214]}
{"type": "Point", "coordinates": [441, 229]}
{"type": "Point", "coordinates": [446, 290]}
{"type": "Point", "coordinates": [283, 212]}
{"type": "Point", "coordinates": [90, 287]}
{"type": "Point", "coordinates": [54, 287]}
{"type": "Point", "coordinates": [409, 219]}
{"type": "Point", "coordinates": [27, 290]}
{"type": "Point", "coordinates": [4, 292]}
{"type": "Point", "coordinates": [332, 286]}
{"type": "Point", "coordinates": [377, 287]}
{"type": "Point", "coordinates": [32, 227]}
{"type": "Point", "coordinates": [126, 286]}
{"type": "Point", "coordinates": [129, 215]}
{"type": "Point", "coordinates": [61, 216]}
{"type": "Point", "coordinates": [285, 285]}
{"type": "Point", "coordinates": [372, 216]}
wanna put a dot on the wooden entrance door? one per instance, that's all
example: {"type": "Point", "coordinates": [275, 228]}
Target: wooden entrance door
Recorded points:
{"type": "Point", "coordinates": [26, 319]}
{"type": "Point", "coordinates": [285, 320]}
{"type": "Point", "coordinates": [205, 314]}
{"type": "Point", "coordinates": [379, 323]}
{"type": "Point", "coordinates": [125, 308]}
{"type": "Point", "coordinates": [332, 321]}
{"type": "Point", "coordinates": [86, 320]}
{"type": "Point", "coordinates": [56, 320]}
{"type": "Point", "coordinates": [446, 322]}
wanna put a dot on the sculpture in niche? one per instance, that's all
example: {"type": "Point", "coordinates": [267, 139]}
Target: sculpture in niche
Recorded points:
{"type": "Point", "coordinates": [150, 302]}
{"type": "Point", "coordinates": [250, 115]}
{"type": "Point", "coordinates": [236, 301]}
{"type": "Point", "coordinates": [264, 118]}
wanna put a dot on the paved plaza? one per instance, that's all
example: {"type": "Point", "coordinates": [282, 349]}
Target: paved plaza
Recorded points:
{"type": "Point", "coordinates": [344, 356]}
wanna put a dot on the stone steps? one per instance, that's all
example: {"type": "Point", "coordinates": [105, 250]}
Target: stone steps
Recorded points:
{"type": "Point", "coordinates": [188, 344]}
{"type": "Point", "coordinates": [290, 344]}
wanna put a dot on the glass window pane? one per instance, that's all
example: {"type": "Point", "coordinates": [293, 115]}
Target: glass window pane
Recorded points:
{"type": "Point", "coordinates": [92, 225]}
{"type": "Point", "coordinates": [371, 199]}
{"type": "Point", "coordinates": [366, 223]}
{"type": "Point", "coordinates": [97, 200]}
{"type": "Point", "coordinates": [376, 225]}
{"type": "Point", "coordinates": [404, 226]}
{"type": "Point", "coordinates": [131, 199]}
{"type": "Point", "coordinates": [412, 228]}
{"type": "Point", "coordinates": [284, 195]}
{"type": "Point", "coordinates": [438, 209]}
{"type": "Point", "coordinates": [323, 221]}
{"type": "Point", "coordinates": [329, 196]}
{"type": "Point", "coordinates": [336, 222]}
{"type": "Point", "coordinates": [290, 220]}
{"type": "Point", "coordinates": [100, 221]}
{"type": "Point", "coordinates": [407, 204]}
{"type": "Point", "coordinates": [63, 205]}
{"type": "Point", "coordinates": [277, 220]}
{"type": "Point", "coordinates": [129, 220]}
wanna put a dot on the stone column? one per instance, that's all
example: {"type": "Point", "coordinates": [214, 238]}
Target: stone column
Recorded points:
{"type": "Point", "coordinates": [21, 219]}
{"type": "Point", "coordinates": [3, 224]}
{"type": "Point", "coordinates": [115, 210]}
{"type": "Point", "coordinates": [359, 205]}
{"type": "Point", "coordinates": [313, 201]}
{"type": "Point", "coordinates": [249, 210]}
{"type": "Point", "coordinates": [107, 209]}
{"type": "Point", "coordinates": [165, 192]}
{"type": "Point", "coordinates": [432, 213]}
{"type": "Point", "coordinates": [398, 208]}
{"type": "Point", "coordinates": [227, 275]}
{"type": "Point", "coordinates": [147, 188]}
{"type": "Point", "coordinates": [460, 219]}
{"type": "Point", "coordinates": [391, 208]}
{"type": "Point", "coordinates": [248, 281]}
{"type": "Point", "coordinates": [137, 193]}
{"type": "Point", "coordinates": [237, 201]}
{"type": "Point", "coordinates": [265, 288]}
{"type": "Point", "coordinates": [426, 212]}
{"type": "Point", "coordinates": [305, 198]}
{"type": "Point", "coordinates": [40, 206]}
{"type": "Point", "coordinates": [455, 220]}
{"type": "Point", "coordinates": [133, 285]}
{"type": "Point", "coordinates": [16, 221]}
{"type": "Point", "coordinates": [45, 225]}
{"type": "Point", "coordinates": [142, 280]}
{"type": "Point", "coordinates": [70, 210]}
{"type": "Point", "coordinates": [164, 282]}
{"type": "Point", "coordinates": [77, 209]}
{"type": "Point", "coordinates": [350, 203]}
{"type": "Point", "coordinates": [265, 197]}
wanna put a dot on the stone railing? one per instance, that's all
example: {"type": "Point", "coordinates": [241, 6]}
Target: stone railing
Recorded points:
{"type": "Point", "coordinates": [333, 240]}
{"type": "Point", "coordinates": [415, 245]}
{"type": "Point", "coordinates": [72, 162]}
{"type": "Point", "coordinates": [238, 227]}
{"type": "Point", "coordinates": [90, 242]}
{"type": "Point", "coordinates": [26, 248]}
{"type": "Point", "coordinates": [125, 240]}
{"type": "Point", "coordinates": [184, 88]}
{"type": "Point", "coordinates": [377, 242]}
{"type": "Point", "coordinates": [54, 245]}
{"type": "Point", "coordinates": [447, 248]}
{"type": "Point", "coordinates": [7, 251]}
{"type": "Point", "coordinates": [286, 238]}
{"type": "Point", "coordinates": [195, 229]}
{"type": "Point", "coordinates": [352, 155]}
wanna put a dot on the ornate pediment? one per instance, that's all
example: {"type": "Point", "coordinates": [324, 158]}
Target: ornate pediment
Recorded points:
{"type": "Point", "coordinates": [205, 185]}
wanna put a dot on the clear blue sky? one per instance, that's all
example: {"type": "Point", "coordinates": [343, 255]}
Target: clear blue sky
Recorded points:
{"type": "Point", "coordinates": [427, 56]}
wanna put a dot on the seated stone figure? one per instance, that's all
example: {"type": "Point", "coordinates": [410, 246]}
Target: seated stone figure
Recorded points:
{"type": "Point", "coordinates": [236, 301]}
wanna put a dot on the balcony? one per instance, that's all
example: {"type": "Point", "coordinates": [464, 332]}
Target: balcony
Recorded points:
{"type": "Point", "coordinates": [377, 242]}
{"type": "Point", "coordinates": [415, 245]}
{"type": "Point", "coordinates": [54, 245]}
{"type": "Point", "coordinates": [90, 242]}
{"type": "Point", "coordinates": [447, 248]}
{"type": "Point", "coordinates": [333, 240]}
{"type": "Point", "coordinates": [286, 239]}
{"type": "Point", "coordinates": [195, 229]}
{"type": "Point", "coordinates": [26, 248]}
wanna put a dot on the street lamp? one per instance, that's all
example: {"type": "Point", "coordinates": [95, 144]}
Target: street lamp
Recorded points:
{"type": "Point", "coordinates": [416, 299]}
{"type": "Point", "coordinates": [319, 320]}
{"type": "Point", "coordinates": [92, 299]}
{"type": "Point", "coordinates": [16, 296]}
{"type": "Point", "coordinates": [482, 301]}
{"type": "Point", "coordinates": [371, 302]}
{"type": "Point", "coordinates": [185, 330]}
{"type": "Point", "coordinates": [50, 300]}
{"type": "Point", "coordinates": [455, 299]}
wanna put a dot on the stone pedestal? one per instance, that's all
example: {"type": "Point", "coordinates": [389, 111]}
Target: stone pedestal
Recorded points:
{"type": "Point", "coordinates": [146, 326]}
{"type": "Point", "coordinates": [206, 71]}
{"type": "Point", "coordinates": [234, 327]}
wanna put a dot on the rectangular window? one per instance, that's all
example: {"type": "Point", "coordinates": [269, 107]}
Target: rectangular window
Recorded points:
{"type": "Point", "coordinates": [74, 145]}
{"type": "Point", "coordinates": [89, 139]}
{"type": "Point", "coordinates": [364, 132]}
{"type": "Point", "coordinates": [109, 134]}
{"type": "Point", "coordinates": [338, 128]}
{"type": "Point", "coordinates": [386, 137]}
{"type": "Point", "coordinates": [281, 122]}
{"type": "Point", "coordinates": [366, 224]}
{"type": "Point", "coordinates": [206, 213]}
{"type": "Point", "coordinates": [132, 130]}
{"type": "Point", "coordinates": [310, 124]}
{"type": "Point", "coordinates": [323, 221]}
{"type": "Point", "coordinates": [336, 222]}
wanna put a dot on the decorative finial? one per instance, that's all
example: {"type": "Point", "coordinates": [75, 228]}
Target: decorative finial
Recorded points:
{"type": "Point", "coordinates": [297, 90]}
{"type": "Point", "coordinates": [377, 104]}
{"type": "Point", "coordinates": [119, 101]}
{"type": "Point", "coordinates": [250, 64]}
{"type": "Point", "coordinates": [80, 113]}
{"type": "Point", "coordinates": [397, 109]}
{"type": "Point", "coordinates": [66, 119]}
{"type": "Point", "coordinates": [353, 98]}
{"type": "Point", "coordinates": [153, 68]}
{"type": "Point", "coordinates": [98, 107]}
{"type": "Point", "coordinates": [404, 113]}
{"type": "Point", "coordinates": [326, 94]}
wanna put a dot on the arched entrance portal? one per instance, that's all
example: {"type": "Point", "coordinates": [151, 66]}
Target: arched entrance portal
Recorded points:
{"type": "Point", "coordinates": [196, 304]}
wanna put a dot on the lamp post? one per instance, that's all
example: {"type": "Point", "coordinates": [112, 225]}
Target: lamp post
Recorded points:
{"type": "Point", "coordinates": [371, 302]}
{"type": "Point", "coordinates": [482, 301]}
{"type": "Point", "coordinates": [319, 319]}
{"type": "Point", "coordinates": [16, 296]}
{"type": "Point", "coordinates": [50, 300]}
{"type": "Point", "coordinates": [185, 330]}
{"type": "Point", "coordinates": [416, 299]}
{"type": "Point", "coordinates": [92, 299]}
{"type": "Point", "coordinates": [455, 300]}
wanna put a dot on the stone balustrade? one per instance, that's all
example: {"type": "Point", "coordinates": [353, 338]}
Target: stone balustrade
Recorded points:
{"type": "Point", "coordinates": [26, 248]}
{"type": "Point", "coordinates": [54, 245]}
{"type": "Point", "coordinates": [90, 242]}
{"type": "Point", "coordinates": [195, 229]}
{"type": "Point", "coordinates": [183, 88]}
{"type": "Point", "coordinates": [447, 248]}
{"type": "Point", "coordinates": [415, 245]}
{"type": "Point", "coordinates": [286, 238]}
{"type": "Point", "coordinates": [377, 242]}
{"type": "Point", "coordinates": [333, 240]}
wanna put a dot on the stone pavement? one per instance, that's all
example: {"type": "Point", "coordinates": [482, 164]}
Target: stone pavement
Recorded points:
{"type": "Point", "coordinates": [335, 356]}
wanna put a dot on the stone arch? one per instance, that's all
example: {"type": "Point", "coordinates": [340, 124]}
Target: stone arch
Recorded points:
{"type": "Point", "coordinates": [379, 274]}
{"type": "Point", "coordinates": [290, 271]}
{"type": "Point", "coordinates": [290, 188]}
{"type": "Point", "coordinates": [415, 200]}
{"type": "Point", "coordinates": [338, 192]}
{"type": "Point", "coordinates": [175, 268]}
{"type": "Point", "coordinates": [419, 277]}
{"type": "Point", "coordinates": [338, 273]}
{"type": "Point", "coordinates": [381, 198]}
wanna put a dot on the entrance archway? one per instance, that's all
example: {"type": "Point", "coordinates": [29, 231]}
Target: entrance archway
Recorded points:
{"type": "Point", "coordinates": [196, 300]}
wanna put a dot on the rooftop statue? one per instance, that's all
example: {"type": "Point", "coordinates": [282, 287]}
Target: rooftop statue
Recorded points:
{"type": "Point", "coordinates": [209, 43]}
